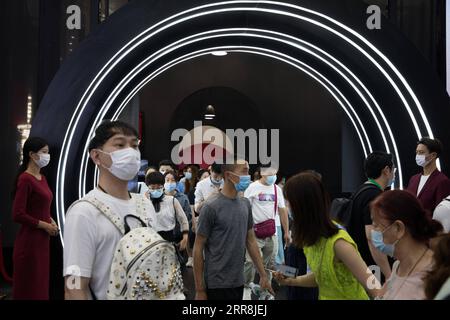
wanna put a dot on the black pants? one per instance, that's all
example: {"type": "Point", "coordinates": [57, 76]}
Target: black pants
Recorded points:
{"type": "Point", "coordinates": [225, 294]}
{"type": "Point", "coordinates": [296, 258]}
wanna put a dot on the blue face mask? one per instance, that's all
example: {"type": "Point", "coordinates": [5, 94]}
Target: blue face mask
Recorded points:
{"type": "Point", "coordinates": [188, 175]}
{"type": "Point", "coordinates": [391, 181]}
{"type": "Point", "coordinates": [170, 186]}
{"type": "Point", "coordinates": [216, 182]}
{"type": "Point", "coordinates": [244, 182]}
{"type": "Point", "coordinates": [156, 193]}
{"type": "Point", "coordinates": [378, 242]}
{"type": "Point", "coordinates": [271, 179]}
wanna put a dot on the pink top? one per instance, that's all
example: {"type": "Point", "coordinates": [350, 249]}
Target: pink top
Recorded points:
{"type": "Point", "coordinates": [405, 288]}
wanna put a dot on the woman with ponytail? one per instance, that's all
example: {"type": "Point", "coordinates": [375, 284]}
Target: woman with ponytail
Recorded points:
{"type": "Point", "coordinates": [403, 229]}
{"type": "Point", "coordinates": [31, 209]}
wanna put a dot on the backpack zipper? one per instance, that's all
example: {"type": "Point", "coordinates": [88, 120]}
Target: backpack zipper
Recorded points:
{"type": "Point", "coordinates": [136, 258]}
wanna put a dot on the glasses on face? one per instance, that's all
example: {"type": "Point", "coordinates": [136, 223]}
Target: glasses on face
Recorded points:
{"type": "Point", "coordinates": [384, 228]}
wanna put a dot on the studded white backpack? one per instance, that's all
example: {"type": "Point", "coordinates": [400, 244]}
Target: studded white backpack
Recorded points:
{"type": "Point", "coordinates": [145, 266]}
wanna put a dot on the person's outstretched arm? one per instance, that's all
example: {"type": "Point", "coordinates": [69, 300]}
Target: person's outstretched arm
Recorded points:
{"type": "Point", "coordinates": [349, 256]}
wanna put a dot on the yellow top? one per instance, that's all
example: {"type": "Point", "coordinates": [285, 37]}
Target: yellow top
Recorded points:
{"type": "Point", "coordinates": [334, 279]}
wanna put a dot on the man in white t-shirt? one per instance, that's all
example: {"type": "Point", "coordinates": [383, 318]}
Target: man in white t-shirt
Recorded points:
{"type": "Point", "coordinates": [208, 186]}
{"type": "Point", "coordinates": [90, 238]}
{"type": "Point", "coordinates": [266, 205]}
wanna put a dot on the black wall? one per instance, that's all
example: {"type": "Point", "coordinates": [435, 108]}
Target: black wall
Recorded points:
{"type": "Point", "coordinates": [18, 75]}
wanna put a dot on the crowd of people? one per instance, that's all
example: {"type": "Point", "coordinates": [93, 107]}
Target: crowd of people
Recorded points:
{"type": "Point", "coordinates": [233, 229]}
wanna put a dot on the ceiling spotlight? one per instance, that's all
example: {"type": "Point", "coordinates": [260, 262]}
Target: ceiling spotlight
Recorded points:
{"type": "Point", "coordinates": [210, 113]}
{"type": "Point", "coordinates": [219, 53]}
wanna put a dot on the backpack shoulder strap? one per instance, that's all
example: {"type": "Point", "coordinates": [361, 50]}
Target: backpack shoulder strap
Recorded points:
{"type": "Point", "coordinates": [363, 189]}
{"type": "Point", "coordinates": [105, 210]}
{"type": "Point", "coordinates": [276, 201]}
{"type": "Point", "coordinates": [141, 206]}
{"type": "Point", "coordinates": [174, 210]}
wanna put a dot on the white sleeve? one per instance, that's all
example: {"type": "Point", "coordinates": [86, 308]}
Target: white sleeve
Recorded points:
{"type": "Point", "coordinates": [79, 240]}
{"type": "Point", "coordinates": [249, 191]}
{"type": "Point", "coordinates": [442, 214]}
{"type": "Point", "coordinates": [181, 216]}
{"type": "Point", "coordinates": [198, 195]}
{"type": "Point", "coordinates": [280, 198]}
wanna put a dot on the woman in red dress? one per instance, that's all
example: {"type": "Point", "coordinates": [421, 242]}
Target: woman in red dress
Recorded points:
{"type": "Point", "coordinates": [31, 210]}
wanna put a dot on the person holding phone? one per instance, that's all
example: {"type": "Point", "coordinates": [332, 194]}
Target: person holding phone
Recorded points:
{"type": "Point", "coordinates": [267, 201]}
{"type": "Point", "coordinates": [337, 267]}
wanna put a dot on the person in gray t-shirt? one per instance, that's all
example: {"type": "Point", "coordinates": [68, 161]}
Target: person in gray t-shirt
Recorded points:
{"type": "Point", "coordinates": [224, 232]}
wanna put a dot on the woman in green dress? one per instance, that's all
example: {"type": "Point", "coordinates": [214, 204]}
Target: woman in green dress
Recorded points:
{"type": "Point", "coordinates": [337, 268]}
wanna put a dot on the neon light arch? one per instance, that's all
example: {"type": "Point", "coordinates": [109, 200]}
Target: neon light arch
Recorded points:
{"type": "Point", "coordinates": [83, 110]}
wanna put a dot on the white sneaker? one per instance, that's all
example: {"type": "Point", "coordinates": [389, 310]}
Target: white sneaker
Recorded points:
{"type": "Point", "coordinates": [247, 294]}
{"type": "Point", "coordinates": [190, 262]}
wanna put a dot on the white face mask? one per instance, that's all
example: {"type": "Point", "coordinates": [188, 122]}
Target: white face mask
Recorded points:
{"type": "Point", "coordinates": [421, 160]}
{"type": "Point", "coordinates": [125, 163]}
{"type": "Point", "coordinates": [44, 160]}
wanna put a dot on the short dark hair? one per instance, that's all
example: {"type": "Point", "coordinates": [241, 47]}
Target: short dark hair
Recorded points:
{"type": "Point", "coordinates": [166, 163]}
{"type": "Point", "coordinates": [201, 172]}
{"type": "Point", "coordinates": [154, 178]}
{"type": "Point", "coordinates": [231, 162]}
{"type": "Point", "coordinates": [173, 173]}
{"type": "Point", "coordinates": [257, 173]}
{"type": "Point", "coordinates": [433, 145]}
{"type": "Point", "coordinates": [107, 129]}
{"type": "Point", "coordinates": [376, 162]}
{"type": "Point", "coordinates": [310, 204]}
{"type": "Point", "coordinates": [216, 168]}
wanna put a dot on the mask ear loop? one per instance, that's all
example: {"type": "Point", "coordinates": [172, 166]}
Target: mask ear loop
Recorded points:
{"type": "Point", "coordinates": [104, 152]}
{"type": "Point", "coordinates": [396, 241]}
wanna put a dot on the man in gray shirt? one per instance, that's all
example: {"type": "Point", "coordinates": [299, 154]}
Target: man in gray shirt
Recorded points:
{"type": "Point", "coordinates": [225, 230]}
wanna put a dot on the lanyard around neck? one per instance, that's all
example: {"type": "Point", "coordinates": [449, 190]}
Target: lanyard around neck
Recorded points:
{"type": "Point", "coordinates": [375, 183]}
